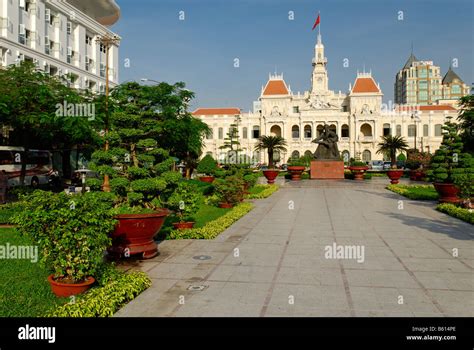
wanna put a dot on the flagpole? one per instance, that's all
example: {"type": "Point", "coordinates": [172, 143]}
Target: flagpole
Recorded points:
{"type": "Point", "coordinates": [319, 26]}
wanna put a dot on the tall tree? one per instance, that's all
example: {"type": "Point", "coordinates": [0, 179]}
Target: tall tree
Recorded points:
{"type": "Point", "coordinates": [466, 122]}
{"type": "Point", "coordinates": [231, 141]}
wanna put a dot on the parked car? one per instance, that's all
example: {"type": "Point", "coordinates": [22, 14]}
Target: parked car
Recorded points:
{"type": "Point", "coordinates": [284, 167]}
{"type": "Point", "coordinates": [376, 165]}
{"type": "Point", "coordinates": [387, 165]}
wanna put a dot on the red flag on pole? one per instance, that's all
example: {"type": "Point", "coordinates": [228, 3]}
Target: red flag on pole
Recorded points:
{"type": "Point", "coordinates": [317, 22]}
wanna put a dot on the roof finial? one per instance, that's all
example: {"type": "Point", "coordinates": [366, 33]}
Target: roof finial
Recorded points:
{"type": "Point", "coordinates": [412, 47]}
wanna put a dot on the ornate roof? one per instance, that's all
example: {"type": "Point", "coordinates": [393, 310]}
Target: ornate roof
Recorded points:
{"type": "Point", "coordinates": [450, 76]}
{"type": "Point", "coordinates": [216, 111]}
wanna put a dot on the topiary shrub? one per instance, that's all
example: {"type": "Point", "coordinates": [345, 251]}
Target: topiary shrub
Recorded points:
{"type": "Point", "coordinates": [185, 201]}
{"type": "Point", "coordinates": [207, 165]}
{"type": "Point", "coordinates": [229, 190]}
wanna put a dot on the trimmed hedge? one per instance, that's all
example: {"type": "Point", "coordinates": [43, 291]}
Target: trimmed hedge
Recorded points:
{"type": "Point", "coordinates": [419, 192]}
{"type": "Point", "coordinates": [457, 212]}
{"type": "Point", "coordinates": [266, 191]}
{"type": "Point", "coordinates": [212, 229]}
{"type": "Point", "coordinates": [106, 300]}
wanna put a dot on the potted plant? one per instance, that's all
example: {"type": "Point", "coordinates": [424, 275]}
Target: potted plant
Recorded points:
{"type": "Point", "coordinates": [229, 190]}
{"type": "Point", "coordinates": [358, 169]}
{"type": "Point", "coordinates": [272, 144]}
{"type": "Point", "coordinates": [72, 233]}
{"type": "Point", "coordinates": [296, 168]}
{"type": "Point", "coordinates": [185, 202]}
{"type": "Point", "coordinates": [448, 163]}
{"type": "Point", "coordinates": [207, 166]}
{"type": "Point", "coordinates": [390, 145]}
{"type": "Point", "coordinates": [249, 181]}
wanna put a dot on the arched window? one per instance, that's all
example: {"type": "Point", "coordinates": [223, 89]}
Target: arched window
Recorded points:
{"type": "Point", "coordinates": [366, 130]}
{"type": "Point", "coordinates": [319, 130]}
{"type": "Point", "coordinates": [366, 156]}
{"type": "Point", "coordinates": [426, 130]}
{"type": "Point", "coordinates": [346, 156]}
{"type": "Point", "coordinates": [345, 130]}
{"type": "Point", "coordinates": [221, 133]}
{"type": "Point", "coordinates": [244, 133]}
{"type": "Point", "coordinates": [295, 132]}
{"type": "Point", "coordinates": [210, 135]}
{"type": "Point", "coordinates": [386, 130]}
{"type": "Point", "coordinates": [307, 132]}
{"type": "Point", "coordinates": [438, 130]}
{"type": "Point", "coordinates": [275, 130]}
{"type": "Point", "coordinates": [399, 130]}
{"type": "Point", "coordinates": [411, 130]}
{"type": "Point", "coordinates": [333, 128]}
{"type": "Point", "coordinates": [308, 154]}
{"type": "Point", "coordinates": [295, 155]}
{"type": "Point", "coordinates": [256, 132]}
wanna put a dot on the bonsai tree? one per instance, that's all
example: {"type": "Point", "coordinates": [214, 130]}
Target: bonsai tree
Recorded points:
{"type": "Point", "coordinates": [390, 146]}
{"type": "Point", "coordinates": [185, 201]}
{"type": "Point", "coordinates": [229, 190]}
{"type": "Point", "coordinates": [72, 232]}
{"type": "Point", "coordinates": [207, 166]}
{"type": "Point", "coordinates": [466, 122]}
{"type": "Point", "coordinates": [272, 144]}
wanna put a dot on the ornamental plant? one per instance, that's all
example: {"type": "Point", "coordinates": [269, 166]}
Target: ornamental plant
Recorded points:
{"type": "Point", "coordinates": [229, 190]}
{"type": "Point", "coordinates": [448, 161]}
{"type": "Point", "coordinates": [207, 166]}
{"type": "Point", "coordinates": [70, 231]}
{"type": "Point", "coordinates": [390, 146]}
{"type": "Point", "coordinates": [185, 201]}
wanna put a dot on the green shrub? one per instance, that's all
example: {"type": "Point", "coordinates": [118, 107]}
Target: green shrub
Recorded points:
{"type": "Point", "coordinates": [185, 201]}
{"type": "Point", "coordinates": [105, 301]}
{"type": "Point", "coordinates": [463, 214]}
{"type": "Point", "coordinates": [94, 184]}
{"type": "Point", "coordinates": [212, 229]}
{"type": "Point", "coordinates": [262, 191]}
{"type": "Point", "coordinates": [207, 165]}
{"type": "Point", "coordinates": [250, 180]}
{"type": "Point", "coordinates": [230, 189]}
{"type": "Point", "coordinates": [8, 211]}
{"type": "Point", "coordinates": [205, 188]}
{"type": "Point", "coordinates": [120, 186]}
{"type": "Point", "coordinates": [419, 192]}
{"type": "Point", "coordinates": [70, 231]}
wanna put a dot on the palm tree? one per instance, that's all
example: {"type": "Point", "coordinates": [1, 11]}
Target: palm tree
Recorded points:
{"type": "Point", "coordinates": [390, 145]}
{"type": "Point", "coordinates": [272, 144]}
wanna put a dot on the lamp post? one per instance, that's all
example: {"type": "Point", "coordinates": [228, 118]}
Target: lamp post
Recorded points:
{"type": "Point", "coordinates": [415, 119]}
{"type": "Point", "coordinates": [107, 41]}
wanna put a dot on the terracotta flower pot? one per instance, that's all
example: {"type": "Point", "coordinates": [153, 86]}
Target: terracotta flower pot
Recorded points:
{"type": "Point", "coordinates": [448, 192]}
{"type": "Point", "coordinates": [271, 175]}
{"type": "Point", "coordinates": [417, 175]}
{"type": "Point", "coordinates": [208, 179]}
{"type": "Point", "coordinates": [183, 225]}
{"type": "Point", "coordinates": [226, 205]}
{"type": "Point", "coordinates": [358, 172]}
{"type": "Point", "coordinates": [296, 172]}
{"type": "Point", "coordinates": [395, 175]}
{"type": "Point", "coordinates": [64, 290]}
{"type": "Point", "coordinates": [134, 234]}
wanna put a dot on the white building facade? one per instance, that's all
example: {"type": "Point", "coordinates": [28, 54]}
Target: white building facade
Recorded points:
{"type": "Point", "coordinates": [358, 117]}
{"type": "Point", "coordinates": [61, 39]}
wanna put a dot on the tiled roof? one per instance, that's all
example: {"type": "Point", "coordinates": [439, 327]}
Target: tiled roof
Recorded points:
{"type": "Point", "coordinates": [216, 111]}
{"type": "Point", "coordinates": [364, 85]}
{"type": "Point", "coordinates": [275, 87]}
{"type": "Point", "coordinates": [426, 108]}
{"type": "Point", "coordinates": [450, 76]}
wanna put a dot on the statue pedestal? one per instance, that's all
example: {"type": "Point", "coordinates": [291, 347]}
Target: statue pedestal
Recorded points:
{"type": "Point", "coordinates": [327, 169]}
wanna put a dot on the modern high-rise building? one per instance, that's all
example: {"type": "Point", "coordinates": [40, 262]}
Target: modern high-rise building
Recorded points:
{"type": "Point", "coordinates": [61, 37]}
{"type": "Point", "coordinates": [420, 83]}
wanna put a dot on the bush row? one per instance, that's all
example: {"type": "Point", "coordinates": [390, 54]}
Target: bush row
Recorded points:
{"type": "Point", "coordinates": [212, 229]}
{"type": "Point", "coordinates": [454, 211]}
{"type": "Point", "coordinates": [419, 192]}
{"type": "Point", "coordinates": [267, 191]}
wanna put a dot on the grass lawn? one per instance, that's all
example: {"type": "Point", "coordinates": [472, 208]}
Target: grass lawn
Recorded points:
{"type": "Point", "coordinates": [24, 290]}
{"type": "Point", "coordinates": [420, 192]}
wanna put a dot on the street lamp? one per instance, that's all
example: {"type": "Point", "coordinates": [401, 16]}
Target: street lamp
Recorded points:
{"type": "Point", "coordinates": [107, 41]}
{"type": "Point", "coordinates": [145, 80]}
{"type": "Point", "coordinates": [416, 119]}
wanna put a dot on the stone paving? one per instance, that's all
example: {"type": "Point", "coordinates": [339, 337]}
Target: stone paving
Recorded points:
{"type": "Point", "coordinates": [281, 269]}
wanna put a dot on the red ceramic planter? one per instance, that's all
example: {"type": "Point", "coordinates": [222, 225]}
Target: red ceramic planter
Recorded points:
{"type": "Point", "coordinates": [395, 175]}
{"type": "Point", "coordinates": [448, 192]}
{"type": "Point", "coordinates": [296, 172]}
{"type": "Point", "coordinates": [183, 225]}
{"type": "Point", "coordinates": [271, 175]}
{"type": "Point", "coordinates": [134, 234]}
{"type": "Point", "coordinates": [225, 205]}
{"type": "Point", "coordinates": [64, 290]}
{"type": "Point", "coordinates": [358, 172]}
{"type": "Point", "coordinates": [416, 175]}
{"type": "Point", "coordinates": [208, 179]}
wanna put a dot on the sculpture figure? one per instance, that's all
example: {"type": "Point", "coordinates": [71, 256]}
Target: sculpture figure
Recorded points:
{"type": "Point", "coordinates": [327, 145]}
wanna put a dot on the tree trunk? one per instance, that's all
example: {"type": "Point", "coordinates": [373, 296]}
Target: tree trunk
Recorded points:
{"type": "Point", "coordinates": [133, 150]}
{"type": "Point", "coordinates": [270, 159]}
{"type": "Point", "coordinates": [66, 163]}
{"type": "Point", "coordinates": [23, 159]}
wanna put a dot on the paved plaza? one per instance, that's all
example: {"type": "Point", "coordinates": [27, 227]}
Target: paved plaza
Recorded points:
{"type": "Point", "coordinates": [272, 262]}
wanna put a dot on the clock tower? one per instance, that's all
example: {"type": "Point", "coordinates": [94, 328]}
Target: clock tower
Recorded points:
{"type": "Point", "coordinates": [319, 78]}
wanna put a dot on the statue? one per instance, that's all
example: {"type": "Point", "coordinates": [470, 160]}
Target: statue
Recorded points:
{"type": "Point", "coordinates": [327, 148]}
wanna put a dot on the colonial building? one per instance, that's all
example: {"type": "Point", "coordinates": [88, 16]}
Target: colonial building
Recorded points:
{"type": "Point", "coordinates": [358, 117]}
{"type": "Point", "coordinates": [61, 38]}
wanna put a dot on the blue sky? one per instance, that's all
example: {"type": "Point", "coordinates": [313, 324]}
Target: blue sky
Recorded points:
{"type": "Point", "coordinates": [201, 49]}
